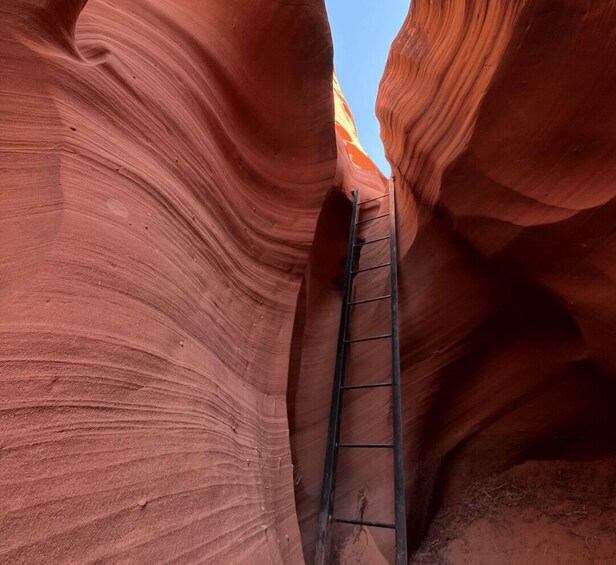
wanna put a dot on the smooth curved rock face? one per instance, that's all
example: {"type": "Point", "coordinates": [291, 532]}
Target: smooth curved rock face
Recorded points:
{"type": "Point", "coordinates": [162, 175]}
{"type": "Point", "coordinates": [498, 119]}
{"type": "Point", "coordinates": [175, 182]}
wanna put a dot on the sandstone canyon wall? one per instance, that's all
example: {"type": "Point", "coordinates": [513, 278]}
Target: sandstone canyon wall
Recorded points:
{"type": "Point", "coordinates": [498, 119]}
{"type": "Point", "coordinates": [163, 166]}
{"type": "Point", "coordinates": [174, 214]}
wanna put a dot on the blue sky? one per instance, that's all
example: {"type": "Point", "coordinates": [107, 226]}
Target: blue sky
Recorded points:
{"type": "Point", "coordinates": [363, 31]}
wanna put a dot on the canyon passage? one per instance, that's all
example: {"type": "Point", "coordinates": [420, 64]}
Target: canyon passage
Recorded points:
{"type": "Point", "coordinates": [175, 200]}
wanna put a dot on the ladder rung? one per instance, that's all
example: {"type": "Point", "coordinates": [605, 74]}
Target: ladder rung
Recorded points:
{"type": "Point", "coordinates": [364, 523]}
{"type": "Point", "coordinates": [366, 300]}
{"type": "Point", "coordinates": [371, 268]}
{"type": "Point", "coordinates": [372, 241]}
{"type": "Point", "coordinates": [368, 445]}
{"type": "Point", "coordinates": [373, 218]}
{"type": "Point", "coordinates": [373, 199]}
{"type": "Point", "coordinates": [371, 385]}
{"type": "Point", "coordinates": [384, 336]}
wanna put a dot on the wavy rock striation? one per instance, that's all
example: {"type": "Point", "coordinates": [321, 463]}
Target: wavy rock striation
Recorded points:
{"type": "Point", "coordinates": [498, 121]}
{"type": "Point", "coordinates": [174, 216]}
{"type": "Point", "coordinates": [156, 217]}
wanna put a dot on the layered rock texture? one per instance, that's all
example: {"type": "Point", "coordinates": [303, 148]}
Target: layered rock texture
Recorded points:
{"type": "Point", "coordinates": [498, 119]}
{"type": "Point", "coordinates": [174, 212]}
{"type": "Point", "coordinates": [163, 166]}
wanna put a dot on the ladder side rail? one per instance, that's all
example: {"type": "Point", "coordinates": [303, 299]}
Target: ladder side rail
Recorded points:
{"type": "Point", "coordinates": [400, 495]}
{"type": "Point", "coordinates": [333, 434]}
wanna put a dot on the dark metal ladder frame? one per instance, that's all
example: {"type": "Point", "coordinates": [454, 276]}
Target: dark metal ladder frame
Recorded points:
{"type": "Point", "coordinates": [326, 516]}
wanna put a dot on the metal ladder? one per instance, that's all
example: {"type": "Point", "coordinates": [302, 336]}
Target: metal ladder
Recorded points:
{"type": "Point", "coordinates": [326, 514]}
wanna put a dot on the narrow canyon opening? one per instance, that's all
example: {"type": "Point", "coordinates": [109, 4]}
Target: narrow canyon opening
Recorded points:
{"type": "Point", "coordinates": [501, 395]}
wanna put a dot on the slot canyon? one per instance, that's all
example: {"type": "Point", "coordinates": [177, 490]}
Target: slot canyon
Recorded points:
{"type": "Point", "coordinates": [175, 200]}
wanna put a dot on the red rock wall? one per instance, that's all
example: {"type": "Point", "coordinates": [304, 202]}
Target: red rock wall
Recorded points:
{"type": "Point", "coordinates": [498, 119]}
{"type": "Point", "coordinates": [173, 219]}
{"type": "Point", "coordinates": [163, 167]}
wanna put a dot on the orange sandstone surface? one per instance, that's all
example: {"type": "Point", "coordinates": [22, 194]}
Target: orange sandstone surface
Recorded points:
{"type": "Point", "coordinates": [499, 121]}
{"type": "Point", "coordinates": [163, 166]}
{"type": "Point", "coordinates": [174, 210]}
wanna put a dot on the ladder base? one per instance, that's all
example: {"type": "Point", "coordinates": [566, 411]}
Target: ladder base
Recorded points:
{"type": "Point", "coordinates": [365, 523]}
